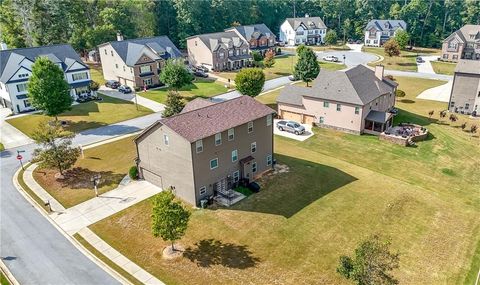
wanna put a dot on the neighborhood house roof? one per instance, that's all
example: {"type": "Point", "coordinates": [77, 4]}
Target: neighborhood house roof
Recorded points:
{"type": "Point", "coordinates": [196, 103]}
{"type": "Point", "coordinates": [378, 117]}
{"type": "Point", "coordinates": [226, 39]}
{"type": "Point", "coordinates": [386, 25]}
{"type": "Point", "coordinates": [466, 32]}
{"type": "Point", "coordinates": [212, 119]}
{"type": "Point", "coordinates": [11, 59]}
{"type": "Point", "coordinates": [468, 66]}
{"type": "Point", "coordinates": [252, 31]}
{"type": "Point", "coordinates": [309, 22]}
{"type": "Point", "coordinates": [131, 50]}
{"type": "Point", "coordinates": [357, 86]}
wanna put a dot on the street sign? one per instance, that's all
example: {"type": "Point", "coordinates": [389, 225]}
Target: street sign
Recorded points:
{"type": "Point", "coordinates": [19, 157]}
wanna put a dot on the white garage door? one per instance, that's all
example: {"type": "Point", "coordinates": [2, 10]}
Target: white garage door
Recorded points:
{"type": "Point", "coordinates": [152, 177]}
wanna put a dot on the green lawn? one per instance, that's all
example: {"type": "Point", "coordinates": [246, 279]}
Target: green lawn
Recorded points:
{"type": "Point", "coordinates": [322, 48]}
{"type": "Point", "coordinates": [199, 88]}
{"type": "Point", "coordinates": [96, 73]}
{"type": "Point", "coordinates": [3, 279]}
{"type": "Point", "coordinates": [441, 67]}
{"type": "Point", "coordinates": [404, 62]}
{"type": "Point", "coordinates": [85, 116]}
{"type": "Point", "coordinates": [1, 147]}
{"type": "Point", "coordinates": [112, 161]}
{"type": "Point", "coordinates": [340, 189]}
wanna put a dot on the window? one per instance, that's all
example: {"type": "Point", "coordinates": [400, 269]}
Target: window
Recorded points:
{"type": "Point", "coordinates": [105, 51]}
{"type": "Point", "coordinates": [80, 76]}
{"type": "Point", "coordinates": [145, 69]}
{"type": "Point", "coordinates": [124, 68]}
{"type": "Point", "coordinates": [269, 119]}
{"type": "Point", "coordinates": [116, 66]}
{"type": "Point", "coordinates": [250, 127]}
{"type": "Point", "coordinates": [111, 52]}
{"type": "Point", "coordinates": [244, 51]}
{"type": "Point", "coordinates": [199, 146]}
{"type": "Point", "coordinates": [326, 104]}
{"type": "Point", "coordinates": [467, 106]}
{"type": "Point", "coordinates": [234, 155]}
{"type": "Point", "coordinates": [22, 87]}
{"type": "Point", "coordinates": [218, 139]}
{"type": "Point", "coordinates": [195, 43]}
{"type": "Point", "coordinates": [339, 107]}
{"type": "Point", "coordinates": [269, 160]}
{"type": "Point", "coordinates": [321, 120]}
{"type": "Point", "coordinates": [357, 110]}
{"type": "Point", "coordinates": [452, 104]}
{"type": "Point", "coordinates": [253, 147]}
{"type": "Point", "coordinates": [445, 56]}
{"type": "Point", "coordinates": [230, 53]}
{"type": "Point", "coordinates": [23, 75]}
{"type": "Point", "coordinates": [131, 70]}
{"type": "Point", "coordinates": [222, 54]}
{"type": "Point", "coordinates": [237, 52]}
{"type": "Point", "coordinates": [26, 103]}
{"type": "Point", "coordinates": [455, 56]}
{"type": "Point", "coordinates": [165, 139]}
{"type": "Point", "coordinates": [254, 167]}
{"type": "Point", "coordinates": [214, 163]}
{"type": "Point", "coordinates": [236, 176]}
{"type": "Point", "coordinates": [231, 134]}
{"type": "Point", "coordinates": [202, 190]}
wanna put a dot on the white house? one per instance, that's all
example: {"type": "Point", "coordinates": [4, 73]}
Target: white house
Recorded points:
{"type": "Point", "coordinates": [16, 69]}
{"type": "Point", "coordinates": [377, 32]}
{"type": "Point", "coordinates": [306, 30]}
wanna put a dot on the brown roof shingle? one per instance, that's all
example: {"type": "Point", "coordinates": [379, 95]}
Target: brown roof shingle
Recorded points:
{"type": "Point", "coordinates": [196, 103]}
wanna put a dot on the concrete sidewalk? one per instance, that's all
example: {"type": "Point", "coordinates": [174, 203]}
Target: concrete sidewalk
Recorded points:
{"type": "Point", "coordinates": [9, 135]}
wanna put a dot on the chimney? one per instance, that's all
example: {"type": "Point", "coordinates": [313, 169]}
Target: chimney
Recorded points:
{"type": "Point", "coordinates": [3, 46]}
{"type": "Point", "coordinates": [306, 15]}
{"type": "Point", "coordinates": [379, 71]}
{"type": "Point", "coordinates": [119, 37]}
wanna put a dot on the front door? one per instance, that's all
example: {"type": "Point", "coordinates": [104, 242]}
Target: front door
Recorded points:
{"type": "Point", "coordinates": [247, 171]}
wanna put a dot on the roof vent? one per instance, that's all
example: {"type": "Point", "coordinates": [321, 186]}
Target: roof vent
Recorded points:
{"type": "Point", "coordinates": [306, 16]}
{"type": "Point", "coordinates": [3, 46]}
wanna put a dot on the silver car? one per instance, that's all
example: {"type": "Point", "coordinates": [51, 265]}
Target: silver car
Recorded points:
{"type": "Point", "coordinates": [291, 126]}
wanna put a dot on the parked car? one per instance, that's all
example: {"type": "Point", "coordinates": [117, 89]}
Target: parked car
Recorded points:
{"type": "Point", "coordinates": [290, 126]}
{"type": "Point", "coordinates": [202, 68]}
{"type": "Point", "coordinates": [419, 59]}
{"type": "Point", "coordinates": [331, 58]}
{"type": "Point", "coordinates": [200, 73]}
{"type": "Point", "coordinates": [292, 78]}
{"type": "Point", "coordinates": [125, 89]}
{"type": "Point", "coordinates": [112, 84]}
{"type": "Point", "coordinates": [358, 42]}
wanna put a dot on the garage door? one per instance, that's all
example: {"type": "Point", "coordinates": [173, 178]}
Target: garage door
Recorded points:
{"type": "Point", "coordinates": [291, 116]}
{"type": "Point", "coordinates": [308, 119]}
{"type": "Point", "coordinates": [152, 177]}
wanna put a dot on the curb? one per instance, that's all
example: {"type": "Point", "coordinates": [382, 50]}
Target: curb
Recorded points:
{"type": "Point", "coordinates": [8, 274]}
{"type": "Point", "coordinates": [109, 140]}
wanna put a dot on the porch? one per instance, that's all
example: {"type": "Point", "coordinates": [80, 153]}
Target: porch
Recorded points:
{"type": "Point", "coordinates": [377, 122]}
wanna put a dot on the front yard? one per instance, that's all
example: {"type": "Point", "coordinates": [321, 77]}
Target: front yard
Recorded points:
{"type": "Point", "coordinates": [85, 116]}
{"type": "Point", "coordinates": [199, 88]}
{"type": "Point", "coordinates": [441, 67]}
{"type": "Point", "coordinates": [111, 161]}
{"type": "Point", "coordinates": [404, 62]}
{"type": "Point", "coordinates": [322, 48]}
{"type": "Point", "coordinates": [340, 189]}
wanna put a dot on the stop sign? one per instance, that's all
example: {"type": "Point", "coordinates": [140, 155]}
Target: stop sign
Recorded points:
{"type": "Point", "coordinates": [19, 157]}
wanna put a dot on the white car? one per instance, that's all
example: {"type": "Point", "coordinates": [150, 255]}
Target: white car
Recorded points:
{"type": "Point", "coordinates": [330, 58]}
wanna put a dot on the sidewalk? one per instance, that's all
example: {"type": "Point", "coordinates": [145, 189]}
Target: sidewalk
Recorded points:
{"type": "Point", "coordinates": [150, 104]}
{"type": "Point", "coordinates": [9, 135]}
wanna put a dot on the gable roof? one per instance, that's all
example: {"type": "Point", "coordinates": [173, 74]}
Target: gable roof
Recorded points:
{"type": "Point", "coordinates": [131, 50]}
{"type": "Point", "coordinates": [386, 25]}
{"type": "Point", "coordinates": [11, 59]}
{"type": "Point", "coordinates": [196, 103]}
{"type": "Point", "coordinates": [464, 33]}
{"type": "Point", "coordinates": [468, 66]}
{"type": "Point", "coordinates": [215, 40]}
{"type": "Point", "coordinates": [357, 86]}
{"type": "Point", "coordinates": [309, 22]}
{"type": "Point", "coordinates": [207, 121]}
{"type": "Point", "coordinates": [252, 31]}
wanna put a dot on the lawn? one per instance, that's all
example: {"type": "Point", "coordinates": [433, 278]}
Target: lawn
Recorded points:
{"type": "Point", "coordinates": [1, 147]}
{"type": "Point", "coordinates": [85, 116]}
{"type": "Point", "coordinates": [3, 279]}
{"type": "Point", "coordinates": [441, 67]}
{"type": "Point", "coordinates": [96, 73]}
{"type": "Point", "coordinates": [199, 88]}
{"type": "Point", "coordinates": [322, 48]}
{"type": "Point", "coordinates": [111, 161]}
{"type": "Point", "coordinates": [404, 62]}
{"type": "Point", "coordinates": [340, 189]}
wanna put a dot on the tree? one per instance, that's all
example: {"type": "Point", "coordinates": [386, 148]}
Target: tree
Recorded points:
{"type": "Point", "coordinates": [175, 75]}
{"type": "Point", "coordinates": [257, 58]}
{"type": "Point", "coordinates": [269, 59]}
{"type": "Point", "coordinates": [331, 37]}
{"type": "Point", "coordinates": [173, 105]}
{"type": "Point", "coordinates": [11, 30]}
{"type": "Point", "coordinates": [57, 151]}
{"type": "Point", "coordinates": [307, 67]}
{"type": "Point", "coordinates": [47, 88]}
{"type": "Point", "coordinates": [402, 38]}
{"type": "Point", "coordinates": [94, 86]}
{"type": "Point", "coordinates": [249, 81]}
{"type": "Point", "coordinates": [371, 264]}
{"type": "Point", "coordinates": [392, 48]}
{"type": "Point", "coordinates": [169, 217]}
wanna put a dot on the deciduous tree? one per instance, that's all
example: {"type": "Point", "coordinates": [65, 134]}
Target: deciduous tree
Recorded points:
{"type": "Point", "coordinates": [331, 37]}
{"type": "Point", "coordinates": [269, 59]}
{"type": "Point", "coordinates": [307, 66]}
{"type": "Point", "coordinates": [173, 105]}
{"type": "Point", "coordinates": [402, 38]}
{"type": "Point", "coordinates": [175, 75]}
{"type": "Point", "coordinates": [249, 81]}
{"type": "Point", "coordinates": [391, 48]}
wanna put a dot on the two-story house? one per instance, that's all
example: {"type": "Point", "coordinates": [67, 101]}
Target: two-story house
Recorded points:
{"type": "Point", "coordinates": [208, 148]}
{"type": "Point", "coordinates": [136, 62]}
{"type": "Point", "coordinates": [377, 32]}
{"type": "Point", "coordinates": [358, 100]}
{"type": "Point", "coordinates": [219, 51]}
{"type": "Point", "coordinates": [16, 69]}
{"type": "Point", "coordinates": [258, 36]}
{"type": "Point", "coordinates": [465, 94]}
{"type": "Point", "coordinates": [306, 30]}
{"type": "Point", "coordinates": [462, 44]}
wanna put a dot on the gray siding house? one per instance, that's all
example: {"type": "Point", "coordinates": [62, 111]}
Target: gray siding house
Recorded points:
{"type": "Point", "coordinates": [465, 95]}
{"type": "Point", "coordinates": [377, 32]}
{"type": "Point", "coordinates": [208, 148]}
{"type": "Point", "coordinates": [462, 44]}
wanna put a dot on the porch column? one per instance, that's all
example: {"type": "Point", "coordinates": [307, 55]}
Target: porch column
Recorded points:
{"type": "Point", "coordinates": [373, 125]}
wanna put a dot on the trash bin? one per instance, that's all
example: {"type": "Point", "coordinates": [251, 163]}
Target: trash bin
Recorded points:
{"type": "Point", "coordinates": [203, 203]}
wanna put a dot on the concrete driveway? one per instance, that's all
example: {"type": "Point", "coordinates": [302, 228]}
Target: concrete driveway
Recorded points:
{"type": "Point", "coordinates": [426, 66]}
{"type": "Point", "coordinates": [308, 132]}
{"type": "Point", "coordinates": [440, 93]}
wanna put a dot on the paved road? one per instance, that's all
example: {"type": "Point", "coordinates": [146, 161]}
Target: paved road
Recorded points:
{"type": "Point", "coordinates": [353, 57]}
{"type": "Point", "coordinates": [418, 74]}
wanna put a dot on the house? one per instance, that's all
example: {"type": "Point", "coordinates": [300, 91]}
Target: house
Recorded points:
{"type": "Point", "coordinates": [462, 44]}
{"type": "Point", "coordinates": [136, 62]}
{"type": "Point", "coordinates": [258, 36]}
{"type": "Point", "coordinates": [16, 68]}
{"type": "Point", "coordinates": [465, 94]}
{"type": "Point", "coordinates": [306, 30]}
{"type": "Point", "coordinates": [377, 32]}
{"type": "Point", "coordinates": [219, 51]}
{"type": "Point", "coordinates": [208, 148]}
{"type": "Point", "coordinates": [357, 100]}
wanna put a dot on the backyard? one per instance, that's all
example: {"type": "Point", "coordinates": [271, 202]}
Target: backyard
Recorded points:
{"type": "Point", "coordinates": [111, 161]}
{"type": "Point", "coordinates": [404, 62]}
{"type": "Point", "coordinates": [340, 189]}
{"type": "Point", "coordinates": [199, 88]}
{"type": "Point", "coordinates": [443, 67]}
{"type": "Point", "coordinates": [85, 116]}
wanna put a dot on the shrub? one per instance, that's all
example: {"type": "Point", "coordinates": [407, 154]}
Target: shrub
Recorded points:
{"type": "Point", "coordinates": [392, 48]}
{"type": "Point", "coordinates": [400, 93]}
{"type": "Point", "coordinates": [473, 129]}
{"type": "Point", "coordinates": [279, 51]}
{"type": "Point", "coordinates": [463, 126]}
{"type": "Point", "coordinates": [390, 77]}
{"type": "Point", "coordinates": [133, 173]}
{"type": "Point", "coordinates": [249, 81]}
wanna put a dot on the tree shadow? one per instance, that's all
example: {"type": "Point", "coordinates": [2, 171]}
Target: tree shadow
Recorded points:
{"type": "Point", "coordinates": [407, 101]}
{"type": "Point", "coordinates": [80, 178]}
{"type": "Point", "coordinates": [83, 125]}
{"type": "Point", "coordinates": [210, 252]}
{"type": "Point", "coordinates": [107, 130]}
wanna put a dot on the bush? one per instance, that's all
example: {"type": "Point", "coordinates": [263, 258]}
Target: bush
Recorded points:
{"type": "Point", "coordinates": [133, 173]}
{"type": "Point", "coordinates": [249, 81]}
{"type": "Point", "coordinates": [392, 48]}
{"type": "Point", "coordinates": [279, 51]}
{"type": "Point", "coordinates": [244, 190]}
{"type": "Point", "coordinates": [400, 93]}
{"type": "Point", "coordinates": [390, 77]}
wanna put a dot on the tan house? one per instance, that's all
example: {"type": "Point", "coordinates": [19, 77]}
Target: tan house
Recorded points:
{"type": "Point", "coordinates": [462, 44]}
{"type": "Point", "coordinates": [465, 95]}
{"type": "Point", "coordinates": [136, 62]}
{"type": "Point", "coordinates": [209, 148]}
{"type": "Point", "coordinates": [258, 36]}
{"type": "Point", "coordinates": [358, 100]}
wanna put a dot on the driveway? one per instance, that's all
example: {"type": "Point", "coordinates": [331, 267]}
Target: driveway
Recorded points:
{"type": "Point", "coordinates": [9, 135]}
{"type": "Point", "coordinates": [426, 66]}
{"type": "Point", "coordinates": [440, 93]}
{"type": "Point", "coordinates": [150, 104]}
{"type": "Point", "coordinates": [308, 132]}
